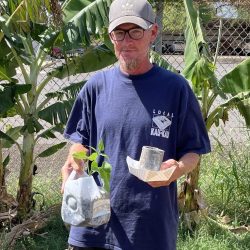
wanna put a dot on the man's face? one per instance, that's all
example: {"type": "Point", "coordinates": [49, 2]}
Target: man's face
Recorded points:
{"type": "Point", "coordinates": [132, 54]}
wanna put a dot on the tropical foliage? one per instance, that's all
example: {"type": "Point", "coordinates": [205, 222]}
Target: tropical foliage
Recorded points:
{"type": "Point", "coordinates": [73, 25]}
{"type": "Point", "coordinates": [22, 25]}
{"type": "Point", "coordinates": [233, 89]}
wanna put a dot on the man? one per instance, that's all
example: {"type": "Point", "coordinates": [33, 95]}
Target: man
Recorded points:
{"type": "Point", "coordinates": [130, 106]}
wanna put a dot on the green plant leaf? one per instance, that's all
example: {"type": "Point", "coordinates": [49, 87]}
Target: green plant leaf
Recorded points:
{"type": "Point", "coordinates": [49, 133]}
{"type": "Point", "coordinates": [100, 146]}
{"type": "Point", "coordinates": [86, 18]}
{"type": "Point", "coordinates": [6, 161]}
{"type": "Point", "coordinates": [158, 59]}
{"type": "Point", "coordinates": [82, 155]}
{"type": "Point", "coordinates": [238, 79]}
{"type": "Point", "coordinates": [93, 59]}
{"type": "Point", "coordinates": [220, 112]}
{"type": "Point", "coordinates": [198, 61]}
{"type": "Point", "coordinates": [93, 157]}
{"type": "Point", "coordinates": [94, 167]}
{"type": "Point", "coordinates": [105, 172]}
{"type": "Point", "coordinates": [7, 64]}
{"type": "Point", "coordinates": [13, 133]}
{"type": "Point", "coordinates": [53, 149]}
{"type": "Point", "coordinates": [32, 125]}
{"type": "Point", "coordinates": [58, 112]}
{"type": "Point", "coordinates": [6, 137]}
{"type": "Point", "coordinates": [236, 82]}
{"type": "Point", "coordinates": [68, 92]}
{"type": "Point", "coordinates": [8, 92]}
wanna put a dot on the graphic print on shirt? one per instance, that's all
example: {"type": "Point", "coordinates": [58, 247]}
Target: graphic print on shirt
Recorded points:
{"type": "Point", "coordinates": [161, 123]}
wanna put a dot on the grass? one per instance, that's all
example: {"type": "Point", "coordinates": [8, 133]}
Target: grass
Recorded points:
{"type": "Point", "coordinates": [225, 181]}
{"type": "Point", "coordinates": [211, 237]}
{"type": "Point", "coordinates": [225, 175]}
{"type": "Point", "coordinates": [52, 237]}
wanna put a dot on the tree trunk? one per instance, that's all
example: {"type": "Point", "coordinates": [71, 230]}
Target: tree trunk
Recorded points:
{"type": "Point", "coordinates": [190, 200]}
{"type": "Point", "coordinates": [1, 166]}
{"type": "Point", "coordinates": [2, 180]}
{"type": "Point", "coordinates": [25, 178]}
{"type": "Point", "coordinates": [159, 19]}
{"type": "Point", "coordinates": [191, 190]}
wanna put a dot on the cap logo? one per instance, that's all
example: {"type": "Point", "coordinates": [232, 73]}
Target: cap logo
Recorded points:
{"type": "Point", "coordinates": [127, 7]}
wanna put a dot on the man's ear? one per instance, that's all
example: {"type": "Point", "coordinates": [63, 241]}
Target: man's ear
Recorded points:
{"type": "Point", "coordinates": [154, 32]}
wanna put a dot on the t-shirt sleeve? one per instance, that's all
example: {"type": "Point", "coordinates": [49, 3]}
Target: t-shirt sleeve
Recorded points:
{"type": "Point", "coordinates": [78, 125]}
{"type": "Point", "coordinates": [192, 134]}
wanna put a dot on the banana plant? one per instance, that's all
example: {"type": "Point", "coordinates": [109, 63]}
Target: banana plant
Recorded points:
{"type": "Point", "coordinates": [233, 89]}
{"type": "Point", "coordinates": [82, 21]}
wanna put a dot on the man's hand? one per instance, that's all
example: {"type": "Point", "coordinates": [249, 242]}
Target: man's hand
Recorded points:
{"type": "Point", "coordinates": [185, 165]}
{"type": "Point", "coordinates": [176, 174]}
{"type": "Point", "coordinates": [72, 164]}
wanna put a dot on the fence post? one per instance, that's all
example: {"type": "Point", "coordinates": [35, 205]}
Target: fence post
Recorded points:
{"type": "Point", "coordinates": [159, 20]}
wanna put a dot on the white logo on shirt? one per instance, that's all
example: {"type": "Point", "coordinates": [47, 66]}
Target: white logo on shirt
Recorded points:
{"type": "Point", "coordinates": [161, 123]}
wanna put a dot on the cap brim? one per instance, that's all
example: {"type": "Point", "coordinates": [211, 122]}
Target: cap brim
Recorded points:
{"type": "Point", "coordinates": [129, 19]}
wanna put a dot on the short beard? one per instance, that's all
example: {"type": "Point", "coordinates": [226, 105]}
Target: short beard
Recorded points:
{"type": "Point", "coordinates": [130, 64]}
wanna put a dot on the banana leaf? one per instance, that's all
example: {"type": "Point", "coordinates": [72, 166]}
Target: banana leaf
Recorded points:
{"type": "Point", "coordinates": [52, 150]}
{"type": "Point", "coordinates": [8, 92]}
{"type": "Point", "coordinates": [198, 61]}
{"type": "Point", "coordinates": [68, 92]}
{"type": "Point", "coordinates": [93, 58]}
{"type": "Point", "coordinates": [58, 112]}
{"type": "Point", "coordinates": [14, 134]}
{"type": "Point", "coordinates": [159, 60]}
{"type": "Point", "coordinates": [238, 79]}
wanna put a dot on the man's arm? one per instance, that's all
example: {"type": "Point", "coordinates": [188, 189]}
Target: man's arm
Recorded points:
{"type": "Point", "coordinates": [72, 163]}
{"type": "Point", "coordinates": [186, 164]}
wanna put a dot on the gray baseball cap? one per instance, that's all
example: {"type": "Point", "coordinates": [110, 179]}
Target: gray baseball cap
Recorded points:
{"type": "Point", "coordinates": [139, 12]}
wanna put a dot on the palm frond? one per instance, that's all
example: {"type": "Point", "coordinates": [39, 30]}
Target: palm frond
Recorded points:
{"type": "Point", "coordinates": [58, 112]}
{"type": "Point", "coordinates": [52, 150]}
{"type": "Point", "coordinates": [68, 92]}
{"type": "Point", "coordinates": [93, 59]}
{"type": "Point", "coordinates": [156, 58]}
{"type": "Point", "coordinates": [49, 133]}
{"type": "Point", "coordinates": [90, 20]}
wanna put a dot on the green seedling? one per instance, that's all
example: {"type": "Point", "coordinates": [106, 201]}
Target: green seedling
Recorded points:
{"type": "Point", "coordinates": [104, 170]}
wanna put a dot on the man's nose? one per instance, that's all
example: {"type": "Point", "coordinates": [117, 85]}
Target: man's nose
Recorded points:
{"type": "Point", "coordinates": [127, 37]}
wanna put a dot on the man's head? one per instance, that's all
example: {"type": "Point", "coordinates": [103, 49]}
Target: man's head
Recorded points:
{"type": "Point", "coordinates": [132, 30]}
{"type": "Point", "coordinates": [137, 12]}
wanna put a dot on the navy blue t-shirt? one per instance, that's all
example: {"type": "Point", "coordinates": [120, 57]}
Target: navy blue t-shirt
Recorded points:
{"type": "Point", "coordinates": [157, 109]}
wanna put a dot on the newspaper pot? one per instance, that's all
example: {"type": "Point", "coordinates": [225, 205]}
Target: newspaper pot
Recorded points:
{"type": "Point", "coordinates": [84, 202]}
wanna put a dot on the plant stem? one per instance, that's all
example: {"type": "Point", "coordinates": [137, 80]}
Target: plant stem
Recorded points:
{"type": "Point", "coordinates": [218, 43]}
{"type": "Point", "coordinates": [42, 104]}
{"type": "Point", "coordinates": [25, 178]}
{"type": "Point", "coordinates": [44, 83]}
{"type": "Point", "coordinates": [1, 166]}
{"type": "Point", "coordinates": [18, 7]}
{"type": "Point", "coordinates": [24, 72]}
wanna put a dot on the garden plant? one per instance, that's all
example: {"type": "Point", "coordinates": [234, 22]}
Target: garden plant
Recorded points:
{"type": "Point", "coordinates": [76, 22]}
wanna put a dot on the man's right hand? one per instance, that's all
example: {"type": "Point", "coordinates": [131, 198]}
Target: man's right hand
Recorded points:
{"type": "Point", "coordinates": [72, 164]}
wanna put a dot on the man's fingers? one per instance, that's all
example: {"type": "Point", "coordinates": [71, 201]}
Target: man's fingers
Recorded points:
{"type": "Point", "coordinates": [155, 184]}
{"type": "Point", "coordinates": [168, 164]}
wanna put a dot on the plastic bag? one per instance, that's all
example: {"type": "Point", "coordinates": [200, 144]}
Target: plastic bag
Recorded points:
{"type": "Point", "coordinates": [84, 202]}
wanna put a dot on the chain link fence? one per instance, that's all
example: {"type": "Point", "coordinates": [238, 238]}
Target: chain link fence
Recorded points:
{"type": "Point", "coordinates": [234, 21]}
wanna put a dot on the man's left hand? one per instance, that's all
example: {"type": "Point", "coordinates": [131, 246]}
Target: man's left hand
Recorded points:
{"type": "Point", "coordinates": [176, 174]}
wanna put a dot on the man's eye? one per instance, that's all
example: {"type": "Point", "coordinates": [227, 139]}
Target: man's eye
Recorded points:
{"type": "Point", "coordinates": [136, 31]}
{"type": "Point", "coordinates": [119, 32]}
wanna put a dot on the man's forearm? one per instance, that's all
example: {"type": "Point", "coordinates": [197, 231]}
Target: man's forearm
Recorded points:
{"type": "Point", "coordinates": [188, 162]}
